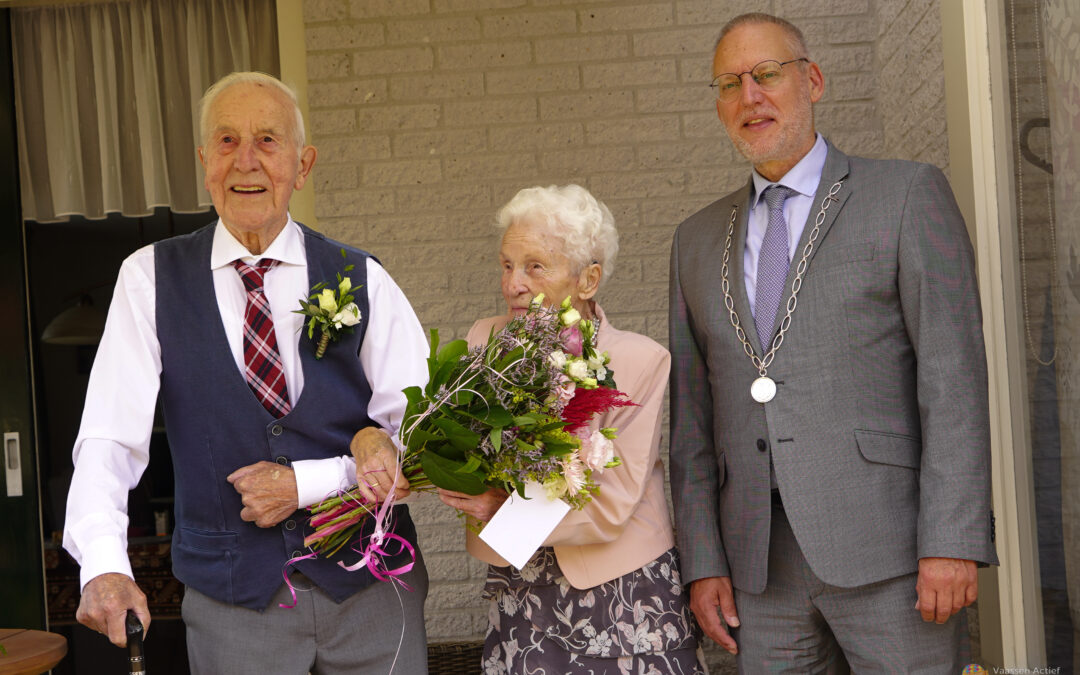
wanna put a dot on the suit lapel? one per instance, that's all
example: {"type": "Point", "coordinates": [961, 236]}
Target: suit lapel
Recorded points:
{"type": "Point", "coordinates": [741, 201]}
{"type": "Point", "coordinates": [836, 168]}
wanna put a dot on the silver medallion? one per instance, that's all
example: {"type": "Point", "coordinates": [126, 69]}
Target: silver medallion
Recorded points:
{"type": "Point", "coordinates": [763, 389]}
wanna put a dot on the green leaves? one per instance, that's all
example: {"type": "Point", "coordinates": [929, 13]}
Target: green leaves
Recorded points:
{"type": "Point", "coordinates": [453, 475]}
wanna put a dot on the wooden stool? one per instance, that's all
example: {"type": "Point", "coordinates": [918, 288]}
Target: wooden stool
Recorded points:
{"type": "Point", "coordinates": [30, 652]}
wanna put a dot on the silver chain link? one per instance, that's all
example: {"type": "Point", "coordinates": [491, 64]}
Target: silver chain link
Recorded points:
{"type": "Point", "coordinates": [762, 364]}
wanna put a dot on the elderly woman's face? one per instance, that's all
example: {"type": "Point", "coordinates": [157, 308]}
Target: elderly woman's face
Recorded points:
{"type": "Point", "coordinates": [533, 262]}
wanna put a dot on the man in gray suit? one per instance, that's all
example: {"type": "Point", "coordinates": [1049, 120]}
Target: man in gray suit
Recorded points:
{"type": "Point", "coordinates": [830, 433]}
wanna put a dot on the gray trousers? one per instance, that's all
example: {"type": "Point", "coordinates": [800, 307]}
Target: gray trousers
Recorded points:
{"type": "Point", "coordinates": [800, 624]}
{"type": "Point", "coordinates": [379, 630]}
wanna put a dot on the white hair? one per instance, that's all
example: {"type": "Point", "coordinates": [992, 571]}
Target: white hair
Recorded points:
{"type": "Point", "coordinates": [256, 78]}
{"type": "Point", "coordinates": [585, 225]}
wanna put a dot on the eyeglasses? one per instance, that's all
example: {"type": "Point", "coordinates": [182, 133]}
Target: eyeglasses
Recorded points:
{"type": "Point", "coordinates": [767, 75]}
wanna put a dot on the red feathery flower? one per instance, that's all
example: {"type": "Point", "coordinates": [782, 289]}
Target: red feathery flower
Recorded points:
{"type": "Point", "coordinates": [589, 402]}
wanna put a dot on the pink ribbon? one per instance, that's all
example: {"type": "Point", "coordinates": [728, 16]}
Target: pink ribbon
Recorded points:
{"type": "Point", "coordinates": [285, 573]}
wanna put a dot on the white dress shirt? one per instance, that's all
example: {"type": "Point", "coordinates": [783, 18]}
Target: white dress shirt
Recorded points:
{"type": "Point", "coordinates": [112, 448]}
{"type": "Point", "coordinates": [803, 178]}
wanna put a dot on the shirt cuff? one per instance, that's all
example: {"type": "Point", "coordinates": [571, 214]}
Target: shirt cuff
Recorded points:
{"type": "Point", "coordinates": [317, 479]}
{"type": "Point", "coordinates": [103, 555]}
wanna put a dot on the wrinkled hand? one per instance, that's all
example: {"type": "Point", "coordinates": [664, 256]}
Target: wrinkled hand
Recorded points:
{"type": "Point", "coordinates": [378, 473]}
{"type": "Point", "coordinates": [481, 507]}
{"type": "Point", "coordinates": [945, 586]}
{"type": "Point", "coordinates": [268, 491]}
{"type": "Point", "coordinates": [706, 595]}
{"type": "Point", "coordinates": [104, 605]}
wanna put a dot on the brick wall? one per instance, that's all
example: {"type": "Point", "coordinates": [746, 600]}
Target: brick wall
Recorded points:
{"type": "Point", "coordinates": [430, 114]}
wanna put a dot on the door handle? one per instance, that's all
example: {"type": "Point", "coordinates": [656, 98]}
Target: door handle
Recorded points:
{"type": "Point", "coordinates": [12, 464]}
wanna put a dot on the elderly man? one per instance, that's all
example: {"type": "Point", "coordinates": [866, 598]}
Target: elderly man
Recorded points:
{"type": "Point", "coordinates": [830, 434]}
{"type": "Point", "coordinates": [258, 427]}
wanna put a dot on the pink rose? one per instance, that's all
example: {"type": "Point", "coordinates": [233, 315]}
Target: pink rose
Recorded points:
{"type": "Point", "coordinates": [571, 339]}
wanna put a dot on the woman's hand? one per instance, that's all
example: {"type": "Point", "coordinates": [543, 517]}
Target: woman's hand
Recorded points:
{"type": "Point", "coordinates": [378, 473]}
{"type": "Point", "coordinates": [481, 507]}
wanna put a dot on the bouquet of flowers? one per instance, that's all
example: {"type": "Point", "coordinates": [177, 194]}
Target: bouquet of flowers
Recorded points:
{"type": "Point", "coordinates": [515, 410]}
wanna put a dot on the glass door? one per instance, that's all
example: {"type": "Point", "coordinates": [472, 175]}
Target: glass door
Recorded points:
{"type": "Point", "coordinates": [1043, 44]}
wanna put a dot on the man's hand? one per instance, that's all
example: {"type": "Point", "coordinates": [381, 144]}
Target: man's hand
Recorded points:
{"type": "Point", "coordinates": [104, 605]}
{"type": "Point", "coordinates": [945, 586]}
{"type": "Point", "coordinates": [377, 470]}
{"type": "Point", "coordinates": [481, 507]}
{"type": "Point", "coordinates": [705, 596]}
{"type": "Point", "coordinates": [268, 491]}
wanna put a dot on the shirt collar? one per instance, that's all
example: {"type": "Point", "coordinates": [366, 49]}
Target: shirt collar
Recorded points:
{"type": "Point", "coordinates": [803, 177]}
{"type": "Point", "coordinates": [287, 247]}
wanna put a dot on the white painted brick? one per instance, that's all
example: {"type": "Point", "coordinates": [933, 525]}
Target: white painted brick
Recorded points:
{"type": "Point", "coordinates": [387, 61]}
{"type": "Point", "coordinates": [457, 141]}
{"type": "Point", "coordinates": [441, 85]}
{"type": "Point", "coordinates": [344, 36]}
{"type": "Point", "coordinates": [352, 150]}
{"type": "Point", "coordinates": [491, 111]}
{"type": "Point", "coordinates": [448, 197]}
{"type": "Point", "coordinates": [845, 58]}
{"type": "Point", "coordinates": [623, 74]}
{"type": "Point", "coordinates": [351, 92]}
{"type": "Point", "coordinates": [536, 79]}
{"type": "Point", "coordinates": [703, 125]}
{"type": "Point", "coordinates": [675, 41]}
{"type": "Point", "coordinates": [582, 48]}
{"type": "Point", "coordinates": [588, 105]}
{"type": "Point", "coordinates": [850, 86]}
{"type": "Point", "coordinates": [536, 136]}
{"type": "Point", "coordinates": [371, 9]}
{"type": "Point", "coordinates": [633, 130]}
{"type": "Point", "coordinates": [445, 29]}
{"type": "Point", "coordinates": [403, 172]}
{"type": "Point", "coordinates": [482, 56]}
{"type": "Point", "coordinates": [668, 211]}
{"type": "Point", "coordinates": [528, 24]}
{"type": "Point", "coordinates": [381, 118]}
{"type": "Point", "coordinates": [626, 17]}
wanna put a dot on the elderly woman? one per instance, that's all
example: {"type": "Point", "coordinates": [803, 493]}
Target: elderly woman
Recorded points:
{"type": "Point", "coordinates": [603, 594]}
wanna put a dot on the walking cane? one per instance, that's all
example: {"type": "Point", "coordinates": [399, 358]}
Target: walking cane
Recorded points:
{"type": "Point", "coordinates": [135, 644]}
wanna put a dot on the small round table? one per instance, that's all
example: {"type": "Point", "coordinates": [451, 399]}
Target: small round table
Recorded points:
{"type": "Point", "coordinates": [29, 652]}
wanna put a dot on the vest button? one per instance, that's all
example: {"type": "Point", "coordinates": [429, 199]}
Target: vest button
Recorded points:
{"type": "Point", "coordinates": [277, 430]}
{"type": "Point", "coordinates": [762, 445]}
{"type": "Point", "coordinates": [281, 459]}
{"type": "Point", "coordinates": [290, 524]}
{"type": "Point", "coordinates": [296, 554]}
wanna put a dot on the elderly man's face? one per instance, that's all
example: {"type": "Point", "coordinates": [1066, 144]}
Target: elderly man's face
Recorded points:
{"type": "Point", "coordinates": [773, 129]}
{"type": "Point", "coordinates": [252, 160]}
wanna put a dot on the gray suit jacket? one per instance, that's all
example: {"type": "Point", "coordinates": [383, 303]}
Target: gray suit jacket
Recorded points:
{"type": "Point", "coordinates": [879, 431]}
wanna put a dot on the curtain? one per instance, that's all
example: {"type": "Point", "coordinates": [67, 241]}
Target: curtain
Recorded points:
{"type": "Point", "coordinates": [106, 98]}
{"type": "Point", "coordinates": [1061, 19]}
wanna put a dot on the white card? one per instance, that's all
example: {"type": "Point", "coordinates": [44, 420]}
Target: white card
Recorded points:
{"type": "Point", "coordinates": [520, 526]}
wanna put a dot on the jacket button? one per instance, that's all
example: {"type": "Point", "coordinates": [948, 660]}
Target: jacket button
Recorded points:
{"type": "Point", "coordinates": [282, 459]}
{"type": "Point", "coordinates": [290, 524]}
{"type": "Point", "coordinates": [762, 445]}
{"type": "Point", "coordinates": [277, 429]}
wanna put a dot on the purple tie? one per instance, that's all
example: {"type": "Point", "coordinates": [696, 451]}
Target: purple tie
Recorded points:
{"type": "Point", "coordinates": [773, 265]}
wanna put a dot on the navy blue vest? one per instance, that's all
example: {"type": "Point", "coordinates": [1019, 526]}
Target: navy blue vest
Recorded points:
{"type": "Point", "coordinates": [215, 425]}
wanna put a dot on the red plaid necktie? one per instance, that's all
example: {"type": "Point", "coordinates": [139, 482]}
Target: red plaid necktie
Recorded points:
{"type": "Point", "coordinates": [262, 361]}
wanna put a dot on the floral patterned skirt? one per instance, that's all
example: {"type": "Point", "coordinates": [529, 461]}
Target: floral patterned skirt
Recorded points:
{"type": "Point", "coordinates": [639, 623]}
